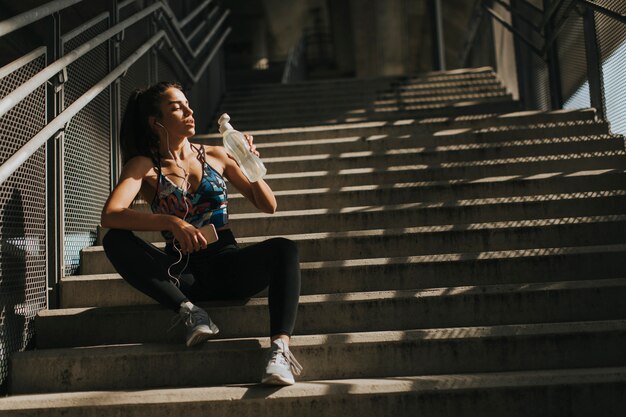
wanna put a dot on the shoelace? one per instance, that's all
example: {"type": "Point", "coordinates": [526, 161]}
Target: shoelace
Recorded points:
{"type": "Point", "coordinates": [288, 357]}
{"type": "Point", "coordinates": [189, 320]}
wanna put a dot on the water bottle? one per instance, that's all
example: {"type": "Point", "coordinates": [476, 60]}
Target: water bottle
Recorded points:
{"type": "Point", "coordinates": [237, 146]}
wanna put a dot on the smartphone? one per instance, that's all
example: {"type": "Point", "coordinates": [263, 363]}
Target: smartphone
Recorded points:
{"type": "Point", "coordinates": [209, 233]}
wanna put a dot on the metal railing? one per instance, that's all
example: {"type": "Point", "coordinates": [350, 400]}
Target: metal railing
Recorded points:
{"type": "Point", "coordinates": [560, 51]}
{"type": "Point", "coordinates": [60, 107]}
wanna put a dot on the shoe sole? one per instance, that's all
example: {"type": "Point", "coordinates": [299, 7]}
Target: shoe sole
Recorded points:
{"type": "Point", "coordinates": [202, 334]}
{"type": "Point", "coordinates": [275, 379]}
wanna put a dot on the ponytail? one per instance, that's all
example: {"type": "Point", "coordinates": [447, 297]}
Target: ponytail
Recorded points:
{"type": "Point", "coordinates": [136, 136]}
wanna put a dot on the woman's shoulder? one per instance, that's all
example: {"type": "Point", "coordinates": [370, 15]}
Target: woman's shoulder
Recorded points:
{"type": "Point", "coordinates": [139, 165]}
{"type": "Point", "coordinates": [218, 152]}
{"type": "Point", "coordinates": [217, 157]}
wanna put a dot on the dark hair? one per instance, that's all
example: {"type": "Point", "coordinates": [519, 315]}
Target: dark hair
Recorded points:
{"type": "Point", "coordinates": [136, 136]}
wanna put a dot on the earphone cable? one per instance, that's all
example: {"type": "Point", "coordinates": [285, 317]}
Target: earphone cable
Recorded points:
{"type": "Point", "coordinates": [176, 279]}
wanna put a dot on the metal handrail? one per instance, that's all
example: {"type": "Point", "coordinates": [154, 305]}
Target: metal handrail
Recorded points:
{"type": "Point", "coordinates": [513, 30]}
{"type": "Point", "coordinates": [195, 77]}
{"type": "Point", "coordinates": [194, 13]}
{"type": "Point", "coordinates": [30, 147]}
{"type": "Point", "coordinates": [541, 52]}
{"type": "Point", "coordinates": [20, 93]}
{"type": "Point", "coordinates": [519, 15]}
{"type": "Point", "coordinates": [549, 14]}
{"type": "Point", "coordinates": [24, 60]}
{"type": "Point", "coordinates": [31, 16]}
{"type": "Point", "coordinates": [604, 10]}
{"type": "Point", "coordinates": [208, 37]}
{"type": "Point", "coordinates": [80, 29]}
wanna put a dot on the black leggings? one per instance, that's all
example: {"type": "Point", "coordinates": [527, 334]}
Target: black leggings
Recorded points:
{"type": "Point", "coordinates": [221, 271]}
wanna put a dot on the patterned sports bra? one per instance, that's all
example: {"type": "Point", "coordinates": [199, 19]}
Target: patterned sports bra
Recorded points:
{"type": "Point", "coordinates": [208, 204]}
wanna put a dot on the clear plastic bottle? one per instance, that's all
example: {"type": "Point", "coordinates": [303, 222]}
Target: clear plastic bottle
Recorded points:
{"type": "Point", "coordinates": [236, 145]}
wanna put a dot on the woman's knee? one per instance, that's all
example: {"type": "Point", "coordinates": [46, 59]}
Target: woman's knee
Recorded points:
{"type": "Point", "coordinates": [115, 238]}
{"type": "Point", "coordinates": [287, 249]}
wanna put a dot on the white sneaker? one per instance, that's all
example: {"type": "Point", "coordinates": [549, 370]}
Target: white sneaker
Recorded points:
{"type": "Point", "coordinates": [281, 365]}
{"type": "Point", "coordinates": [199, 325]}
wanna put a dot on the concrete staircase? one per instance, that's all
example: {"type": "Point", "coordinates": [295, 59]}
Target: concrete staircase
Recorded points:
{"type": "Point", "coordinates": [458, 258]}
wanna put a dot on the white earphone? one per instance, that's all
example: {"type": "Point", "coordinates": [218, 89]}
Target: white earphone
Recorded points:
{"type": "Point", "coordinates": [187, 185]}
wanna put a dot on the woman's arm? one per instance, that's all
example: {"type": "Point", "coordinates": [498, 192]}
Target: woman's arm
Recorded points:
{"type": "Point", "coordinates": [259, 193]}
{"type": "Point", "coordinates": [116, 213]}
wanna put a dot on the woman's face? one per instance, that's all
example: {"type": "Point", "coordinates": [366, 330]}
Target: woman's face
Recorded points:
{"type": "Point", "coordinates": [176, 115]}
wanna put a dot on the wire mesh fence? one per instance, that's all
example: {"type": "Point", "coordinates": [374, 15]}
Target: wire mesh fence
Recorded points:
{"type": "Point", "coordinates": [572, 58]}
{"type": "Point", "coordinates": [612, 44]}
{"type": "Point", "coordinates": [87, 141]}
{"type": "Point", "coordinates": [22, 218]}
{"type": "Point", "coordinates": [86, 149]}
{"type": "Point", "coordinates": [559, 49]}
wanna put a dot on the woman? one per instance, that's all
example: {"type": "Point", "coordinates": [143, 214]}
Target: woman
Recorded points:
{"type": "Point", "coordinates": [185, 185]}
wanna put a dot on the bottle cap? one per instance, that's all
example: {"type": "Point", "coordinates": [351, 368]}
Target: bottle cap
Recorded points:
{"type": "Point", "coordinates": [223, 122]}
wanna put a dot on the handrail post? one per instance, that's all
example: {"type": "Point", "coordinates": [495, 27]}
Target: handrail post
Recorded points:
{"type": "Point", "coordinates": [54, 169]}
{"type": "Point", "coordinates": [115, 95]}
{"type": "Point", "coordinates": [594, 63]}
{"type": "Point", "coordinates": [439, 57]}
{"type": "Point", "coordinates": [552, 59]}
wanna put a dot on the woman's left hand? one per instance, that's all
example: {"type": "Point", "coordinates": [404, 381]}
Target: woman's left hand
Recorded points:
{"type": "Point", "coordinates": [250, 139]}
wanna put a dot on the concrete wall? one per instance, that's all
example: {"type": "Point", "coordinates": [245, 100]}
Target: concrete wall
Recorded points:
{"type": "Point", "coordinates": [369, 37]}
{"type": "Point", "coordinates": [505, 52]}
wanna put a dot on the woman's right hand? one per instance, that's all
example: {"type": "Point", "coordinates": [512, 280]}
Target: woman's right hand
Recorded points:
{"type": "Point", "coordinates": [189, 238]}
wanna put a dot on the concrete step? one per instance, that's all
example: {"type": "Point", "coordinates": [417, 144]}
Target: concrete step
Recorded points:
{"type": "Point", "coordinates": [383, 274]}
{"type": "Point", "coordinates": [348, 312]}
{"type": "Point", "coordinates": [424, 240]}
{"type": "Point", "coordinates": [360, 83]}
{"type": "Point", "coordinates": [327, 356]}
{"type": "Point", "coordinates": [243, 215]}
{"type": "Point", "coordinates": [350, 177]}
{"type": "Point", "coordinates": [420, 214]}
{"type": "Point", "coordinates": [357, 98]}
{"type": "Point", "coordinates": [557, 392]}
{"type": "Point", "coordinates": [468, 104]}
{"type": "Point", "coordinates": [445, 148]}
{"type": "Point", "coordinates": [447, 162]}
{"type": "Point", "coordinates": [332, 104]}
{"type": "Point", "coordinates": [453, 155]}
{"type": "Point", "coordinates": [446, 141]}
{"type": "Point", "coordinates": [510, 184]}
{"type": "Point", "coordinates": [497, 105]}
{"type": "Point", "coordinates": [396, 126]}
